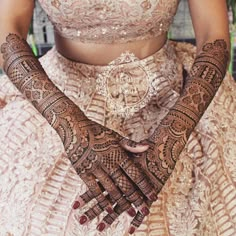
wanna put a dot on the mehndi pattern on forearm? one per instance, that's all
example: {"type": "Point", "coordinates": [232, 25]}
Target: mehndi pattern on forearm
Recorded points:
{"type": "Point", "coordinates": [28, 76]}
{"type": "Point", "coordinates": [170, 137]}
{"type": "Point", "coordinates": [25, 71]}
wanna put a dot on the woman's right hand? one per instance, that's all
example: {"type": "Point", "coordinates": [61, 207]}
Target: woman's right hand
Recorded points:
{"type": "Point", "coordinates": [94, 151]}
{"type": "Point", "coordinates": [96, 154]}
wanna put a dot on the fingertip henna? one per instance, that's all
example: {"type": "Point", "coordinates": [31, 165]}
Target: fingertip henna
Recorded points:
{"type": "Point", "coordinates": [109, 210]}
{"type": "Point", "coordinates": [83, 219]}
{"type": "Point", "coordinates": [145, 211]}
{"type": "Point", "coordinates": [76, 205]}
{"type": "Point", "coordinates": [131, 212]}
{"type": "Point", "coordinates": [153, 197]}
{"type": "Point", "coordinates": [101, 227]}
{"type": "Point", "coordinates": [132, 230]}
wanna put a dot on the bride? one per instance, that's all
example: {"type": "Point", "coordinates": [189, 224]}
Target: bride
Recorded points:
{"type": "Point", "coordinates": [104, 135]}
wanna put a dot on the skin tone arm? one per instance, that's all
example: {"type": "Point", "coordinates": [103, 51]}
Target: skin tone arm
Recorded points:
{"type": "Point", "coordinates": [210, 22]}
{"type": "Point", "coordinates": [93, 150]}
{"type": "Point", "coordinates": [15, 20]}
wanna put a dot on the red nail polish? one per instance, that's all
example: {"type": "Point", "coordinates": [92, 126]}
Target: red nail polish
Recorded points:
{"type": "Point", "coordinates": [76, 205]}
{"type": "Point", "coordinates": [132, 212]}
{"type": "Point", "coordinates": [101, 227]}
{"type": "Point", "coordinates": [145, 211]}
{"type": "Point", "coordinates": [153, 197]}
{"type": "Point", "coordinates": [132, 229]}
{"type": "Point", "coordinates": [83, 219]}
{"type": "Point", "coordinates": [109, 210]}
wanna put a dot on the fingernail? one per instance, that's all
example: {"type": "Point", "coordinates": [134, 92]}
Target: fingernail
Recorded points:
{"type": "Point", "coordinates": [101, 227]}
{"type": "Point", "coordinates": [83, 219]}
{"type": "Point", "coordinates": [131, 231]}
{"type": "Point", "coordinates": [145, 211]}
{"type": "Point", "coordinates": [76, 205]}
{"type": "Point", "coordinates": [109, 210]}
{"type": "Point", "coordinates": [132, 212]}
{"type": "Point", "coordinates": [153, 197]}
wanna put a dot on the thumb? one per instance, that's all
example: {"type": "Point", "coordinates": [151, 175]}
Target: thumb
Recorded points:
{"type": "Point", "coordinates": [134, 147]}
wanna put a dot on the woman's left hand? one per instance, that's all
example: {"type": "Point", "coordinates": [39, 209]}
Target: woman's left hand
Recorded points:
{"type": "Point", "coordinates": [157, 162]}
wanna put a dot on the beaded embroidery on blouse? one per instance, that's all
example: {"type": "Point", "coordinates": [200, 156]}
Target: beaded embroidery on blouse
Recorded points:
{"type": "Point", "coordinates": [109, 21]}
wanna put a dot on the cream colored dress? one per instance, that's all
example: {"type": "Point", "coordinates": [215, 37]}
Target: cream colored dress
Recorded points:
{"type": "Point", "coordinates": [37, 182]}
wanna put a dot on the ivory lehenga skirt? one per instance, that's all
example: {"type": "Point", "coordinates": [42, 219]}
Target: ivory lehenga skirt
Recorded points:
{"type": "Point", "coordinates": [131, 96]}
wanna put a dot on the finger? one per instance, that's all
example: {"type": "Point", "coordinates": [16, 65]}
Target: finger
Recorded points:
{"type": "Point", "coordinates": [132, 193]}
{"type": "Point", "coordinates": [134, 147]}
{"type": "Point", "coordinates": [92, 213]}
{"type": "Point", "coordinates": [138, 219]}
{"type": "Point", "coordinates": [86, 197]}
{"type": "Point", "coordinates": [111, 188]}
{"type": "Point", "coordinates": [107, 221]}
{"type": "Point", "coordinates": [136, 174]}
{"type": "Point", "coordinates": [96, 191]}
{"type": "Point", "coordinates": [119, 209]}
{"type": "Point", "coordinates": [96, 210]}
{"type": "Point", "coordinates": [83, 199]}
{"type": "Point", "coordinates": [110, 218]}
{"type": "Point", "coordinates": [136, 222]}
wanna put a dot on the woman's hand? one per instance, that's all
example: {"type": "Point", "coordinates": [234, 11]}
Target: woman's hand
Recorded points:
{"type": "Point", "coordinates": [96, 154]}
{"type": "Point", "coordinates": [169, 139]}
{"type": "Point", "coordinates": [93, 150]}
{"type": "Point", "coordinates": [158, 162]}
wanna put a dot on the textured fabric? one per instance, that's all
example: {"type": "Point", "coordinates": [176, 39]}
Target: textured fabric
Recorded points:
{"type": "Point", "coordinates": [108, 21]}
{"type": "Point", "coordinates": [38, 184]}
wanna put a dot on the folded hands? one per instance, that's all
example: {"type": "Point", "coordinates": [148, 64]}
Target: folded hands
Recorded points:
{"type": "Point", "coordinates": [122, 175]}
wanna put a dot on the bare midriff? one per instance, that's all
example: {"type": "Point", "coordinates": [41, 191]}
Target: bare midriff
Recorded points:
{"type": "Point", "coordinates": [103, 54]}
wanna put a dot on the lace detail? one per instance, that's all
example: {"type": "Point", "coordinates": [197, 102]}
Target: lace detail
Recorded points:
{"type": "Point", "coordinates": [109, 21]}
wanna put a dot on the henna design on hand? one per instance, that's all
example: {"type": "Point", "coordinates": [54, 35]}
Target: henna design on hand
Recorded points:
{"type": "Point", "coordinates": [169, 139]}
{"type": "Point", "coordinates": [93, 150]}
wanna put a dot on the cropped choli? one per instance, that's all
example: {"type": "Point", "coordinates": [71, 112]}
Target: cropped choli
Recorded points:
{"type": "Point", "coordinates": [110, 21]}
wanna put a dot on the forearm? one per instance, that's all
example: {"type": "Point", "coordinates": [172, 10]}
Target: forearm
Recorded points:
{"type": "Point", "coordinates": [27, 74]}
{"type": "Point", "coordinates": [212, 35]}
{"type": "Point", "coordinates": [202, 83]}
{"type": "Point", "coordinates": [205, 77]}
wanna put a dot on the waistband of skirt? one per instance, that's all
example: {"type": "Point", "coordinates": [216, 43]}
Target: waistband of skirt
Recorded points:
{"type": "Point", "coordinates": [125, 59]}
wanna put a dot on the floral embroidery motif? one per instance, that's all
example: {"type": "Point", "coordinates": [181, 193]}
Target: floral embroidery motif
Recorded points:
{"type": "Point", "coordinates": [107, 21]}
